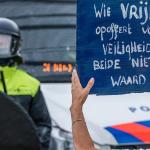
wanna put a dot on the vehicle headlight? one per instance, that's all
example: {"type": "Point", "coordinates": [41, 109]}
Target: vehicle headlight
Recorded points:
{"type": "Point", "coordinates": [61, 139]}
{"type": "Point", "coordinates": [102, 147]}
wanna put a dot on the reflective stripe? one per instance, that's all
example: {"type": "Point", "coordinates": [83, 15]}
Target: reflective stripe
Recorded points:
{"type": "Point", "coordinates": [123, 137]}
{"type": "Point", "coordinates": [140, 132]}
{"type": "Point", "coordinates": [136, 132]}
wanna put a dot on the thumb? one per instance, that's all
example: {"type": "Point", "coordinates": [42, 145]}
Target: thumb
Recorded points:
{"type": "Point", "coordinates": [89, 85]}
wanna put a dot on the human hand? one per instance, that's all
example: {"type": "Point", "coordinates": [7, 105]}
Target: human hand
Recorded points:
{"type": "Point", "coordinates": [79, 94]}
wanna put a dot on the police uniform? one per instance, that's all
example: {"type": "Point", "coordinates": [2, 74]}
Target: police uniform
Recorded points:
{"type": "Point", "coordinates": [20, 86]}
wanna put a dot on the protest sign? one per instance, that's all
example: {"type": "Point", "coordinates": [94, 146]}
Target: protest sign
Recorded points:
{"type": "Point", "coordinates": [113, 45]}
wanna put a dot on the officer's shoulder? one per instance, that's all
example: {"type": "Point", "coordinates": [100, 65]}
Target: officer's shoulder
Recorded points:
{"type": "Point", "coordinates": [27, 78]}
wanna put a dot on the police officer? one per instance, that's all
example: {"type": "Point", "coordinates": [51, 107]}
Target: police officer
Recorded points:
{"type": "Point", "coordinates": [16, 83]}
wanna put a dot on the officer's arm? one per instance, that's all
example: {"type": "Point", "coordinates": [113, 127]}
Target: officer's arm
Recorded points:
{"type": "Point", "coordinates": [81, 136]}
{"type": "Point", "coordinates": [41, 118]}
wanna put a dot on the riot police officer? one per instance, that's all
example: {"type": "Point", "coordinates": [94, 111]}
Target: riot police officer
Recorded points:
{"type": "Point", "coordinates": [16, 83]}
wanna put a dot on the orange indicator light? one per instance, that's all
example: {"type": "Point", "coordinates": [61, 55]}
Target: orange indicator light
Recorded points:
{"type": "Point", "coordinates": [47, 67]}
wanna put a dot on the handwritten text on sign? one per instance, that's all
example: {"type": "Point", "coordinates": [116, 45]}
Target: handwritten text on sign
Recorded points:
{"type": "Point", "coordinates": [113, 45]}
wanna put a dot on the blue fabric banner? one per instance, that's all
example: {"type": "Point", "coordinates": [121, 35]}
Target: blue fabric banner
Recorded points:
{"type": "Point", "coordinates": [113, 45]}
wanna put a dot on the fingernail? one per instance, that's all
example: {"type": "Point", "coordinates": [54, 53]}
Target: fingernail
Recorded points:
{"type": "Point", "coordinates": [74, 72]}
{"type": "Point", "coordinates": [92, 80]}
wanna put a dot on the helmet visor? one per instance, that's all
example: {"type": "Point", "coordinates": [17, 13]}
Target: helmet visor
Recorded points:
{"type": "Point", "coordinates": [5, 44]}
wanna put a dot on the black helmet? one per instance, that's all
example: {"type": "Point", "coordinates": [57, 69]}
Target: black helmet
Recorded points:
{"type": "Point", "coordinates": [10, 39]}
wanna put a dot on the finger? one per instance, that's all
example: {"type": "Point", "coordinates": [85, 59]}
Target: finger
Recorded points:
{"type": "Point", "coordinates": [72, 78]}
{"type": "Point", "coordinates": [89, 85]}
{"type": "Point", "coordinates": [76, 79]}
{"type": "Point", "coordinates": [75, 82]}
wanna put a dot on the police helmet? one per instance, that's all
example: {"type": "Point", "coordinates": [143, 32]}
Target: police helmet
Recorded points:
{"type": "Point", "coordinates": [10, 39]}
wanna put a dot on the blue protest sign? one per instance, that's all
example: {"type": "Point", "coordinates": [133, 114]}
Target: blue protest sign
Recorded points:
{"type": "Point", "coordinates": [113, 45]}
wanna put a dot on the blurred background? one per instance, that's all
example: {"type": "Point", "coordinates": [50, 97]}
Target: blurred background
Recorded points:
{"type": "Point", "coordinates": [48, 33]}
{"type": "Point", "coordinates": [48, 29]}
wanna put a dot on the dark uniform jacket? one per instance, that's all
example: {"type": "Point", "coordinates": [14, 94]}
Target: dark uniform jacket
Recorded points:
{"type": "Point", "coordinates": [25, 90]}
